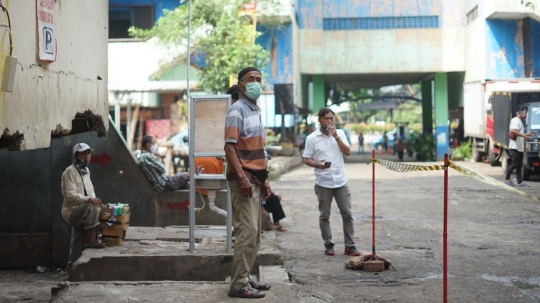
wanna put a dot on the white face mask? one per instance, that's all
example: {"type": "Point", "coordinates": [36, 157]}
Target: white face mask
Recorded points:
{"type": "Point", "coordinates": [154, 148]}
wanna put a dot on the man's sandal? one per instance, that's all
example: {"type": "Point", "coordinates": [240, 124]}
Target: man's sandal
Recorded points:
{"type": "Point", "coordinates": [259, 286]}
{"type": "Point", "coordinates": [249, 293]}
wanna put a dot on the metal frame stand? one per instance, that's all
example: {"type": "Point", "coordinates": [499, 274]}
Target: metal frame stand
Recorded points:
{"type": "Point", "coordinates": [193, 177]}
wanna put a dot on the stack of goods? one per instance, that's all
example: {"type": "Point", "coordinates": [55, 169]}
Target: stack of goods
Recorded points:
{"type": "Point", "coordinates": [114, 222]}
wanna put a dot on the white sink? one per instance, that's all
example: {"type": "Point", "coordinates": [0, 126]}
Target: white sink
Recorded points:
{"type": "Point", "coordinates": [210, 181]}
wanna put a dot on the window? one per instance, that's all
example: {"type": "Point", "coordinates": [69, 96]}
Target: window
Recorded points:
{"type": "Point", "coordinates": [535, 118]}
{"type": "Point", "coordinates": [380, 23]}
{"type": "Point", "coordinates": [472, 15]}
{"type": "Point", "coordinates": [123, 17]}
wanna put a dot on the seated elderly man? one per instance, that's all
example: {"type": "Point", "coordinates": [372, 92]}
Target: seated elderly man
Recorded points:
{"type": "Point", "coordinates": [155, 170]}
{"type": "Point", "coordinates": [81, 207]}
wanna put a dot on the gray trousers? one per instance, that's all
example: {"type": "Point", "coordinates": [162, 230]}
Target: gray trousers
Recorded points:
{"type": "Point", "coordinates": [343, 200]}
{"type": "Point", "coordinates": [82, 217]}
{"type": "Point", "coordinates": [247, 231]}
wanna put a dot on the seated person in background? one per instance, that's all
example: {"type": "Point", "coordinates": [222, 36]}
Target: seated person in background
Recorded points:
{"type": "Point", "coordinates": [155, 170]}
{"type": "Point", "coordinates": [273, 206]}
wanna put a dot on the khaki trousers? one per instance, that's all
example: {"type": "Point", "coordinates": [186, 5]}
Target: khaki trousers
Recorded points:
{"type": "Point", "coordinates": [247, 231]}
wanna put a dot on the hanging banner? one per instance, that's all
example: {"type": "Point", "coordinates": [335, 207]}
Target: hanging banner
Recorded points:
{"type": "Point", "coordinates": [45, 28]}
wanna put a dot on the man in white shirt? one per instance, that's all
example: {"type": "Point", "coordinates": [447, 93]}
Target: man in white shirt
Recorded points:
{"type": "Point", "coordinates": [516, 147]}
{"type": "Point", "coordinates": [324, 151]}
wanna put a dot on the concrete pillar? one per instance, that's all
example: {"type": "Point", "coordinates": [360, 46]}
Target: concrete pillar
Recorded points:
{"type": "Point", "coordinates": [427, 107]}
{"type": "Point", "coordinates": [441, 114]}
{"type": "Point", "coordinates": [304, 83]}
{"type": "Point", "coordinates": [319, 99]}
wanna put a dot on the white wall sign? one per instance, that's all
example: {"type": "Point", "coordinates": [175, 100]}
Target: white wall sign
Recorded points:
{"type": "Point", "coordinates": [45, 21]}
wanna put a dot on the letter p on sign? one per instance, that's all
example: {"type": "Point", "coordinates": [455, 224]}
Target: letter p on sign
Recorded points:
{"type": "Point", "coordinates": [48, 43]}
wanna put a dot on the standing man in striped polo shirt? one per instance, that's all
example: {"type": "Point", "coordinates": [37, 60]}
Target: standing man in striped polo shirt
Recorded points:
{"type": "Point", "coordinates": [245, 138]}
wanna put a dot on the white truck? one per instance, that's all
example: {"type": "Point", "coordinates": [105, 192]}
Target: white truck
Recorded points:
{"type": "Point", "coordinates": [480, 122]}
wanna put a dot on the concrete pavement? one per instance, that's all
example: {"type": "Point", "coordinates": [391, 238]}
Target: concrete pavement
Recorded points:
{"type": "Point", "coordinates": [297, 201]}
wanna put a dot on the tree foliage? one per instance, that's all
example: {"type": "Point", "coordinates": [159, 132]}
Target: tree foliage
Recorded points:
{"type": "Point", "coordinates": [408, 111]}
{"type": "Point", "coordinates": [217, 31]}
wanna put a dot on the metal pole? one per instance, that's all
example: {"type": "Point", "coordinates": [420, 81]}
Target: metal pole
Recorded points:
{"type": "Point", "coordinates": [445, 232]}
{"type": "Point", "coordinates": [373, 199]}
{"type": "Point", "coordinates": [188, 48]}
{"type": "Point", "coordinates": [128, 123]}
{"type": "Point", "coordinates": [191, 146]}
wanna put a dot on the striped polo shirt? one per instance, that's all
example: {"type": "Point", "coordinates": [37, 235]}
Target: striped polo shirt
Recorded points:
{"type": "Point", "coordinates": [243, 127]}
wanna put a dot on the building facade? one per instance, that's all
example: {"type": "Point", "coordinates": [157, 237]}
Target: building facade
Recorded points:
{"type": "Point", "coordinates": [440, 44]}
{"type": "Point", "coordinates": [47, 96]}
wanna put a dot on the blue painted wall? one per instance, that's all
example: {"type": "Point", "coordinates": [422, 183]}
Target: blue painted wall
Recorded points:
{"type": "Point", "coordinates": [535, 41]}
{"type": "Point", "coordinates": [278, 41]}
{"type": "Point", "coordinates": [311, 12]}
{"type": "Point", "coordinates": [504, 49]}
{"type": "Point", "coordinates": [159, 5]}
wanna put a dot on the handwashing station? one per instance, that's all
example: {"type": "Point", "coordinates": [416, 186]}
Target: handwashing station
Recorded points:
{"type": "Point", "coordinates": [207, 116]}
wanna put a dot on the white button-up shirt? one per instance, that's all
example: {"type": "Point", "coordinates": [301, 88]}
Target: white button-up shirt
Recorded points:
{"type": "Point", "coordinates": [322, 147]}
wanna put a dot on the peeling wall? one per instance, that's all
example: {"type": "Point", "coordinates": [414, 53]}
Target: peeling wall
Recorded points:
{"type": "Point", "coordinates": [382, 51]}
{"type": "Point", "coordinates": [311, 12]}
{"type": "Point", "coordinates": [535, 47]}
{"type": "Point", "coordinates": [385, 50]}
{"type": "Point", "coordinates": [279, 42]}
{"type": "Point", "coordinates": [48, 96]}
{"type": "Point", "coordinates": [504, 49]}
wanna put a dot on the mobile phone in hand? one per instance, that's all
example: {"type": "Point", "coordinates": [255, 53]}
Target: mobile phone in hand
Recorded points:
{"type": "Point", "coordinates": [327, 163]}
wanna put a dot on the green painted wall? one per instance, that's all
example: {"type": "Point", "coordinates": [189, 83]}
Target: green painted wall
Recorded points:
{"type": "Point", "coordinates": [441, 99]}
{"type": "Point", "coordinates": [319, 99]}
{"type": "Point", "coordinates": [441, 114]}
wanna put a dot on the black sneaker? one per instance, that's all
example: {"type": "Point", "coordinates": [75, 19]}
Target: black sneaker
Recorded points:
{"type": "Point", "coordinates": [329, 249]}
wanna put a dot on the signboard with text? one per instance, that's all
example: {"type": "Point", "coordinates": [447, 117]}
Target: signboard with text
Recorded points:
{"type": "Point", "coordinates": [45, 22]}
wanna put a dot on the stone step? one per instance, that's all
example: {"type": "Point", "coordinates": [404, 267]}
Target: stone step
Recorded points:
{"type": "Point", "coordinates": [273, 274]}
{"type": "Point", "coordinates": [161, 254]}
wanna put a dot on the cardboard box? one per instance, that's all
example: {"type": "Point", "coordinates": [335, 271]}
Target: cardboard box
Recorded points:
{"type": "Point", "coordinates": [106, 219]}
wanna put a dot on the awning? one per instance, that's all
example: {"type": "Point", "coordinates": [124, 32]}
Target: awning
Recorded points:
{"type": "Point", "coordinates": [152, 86]}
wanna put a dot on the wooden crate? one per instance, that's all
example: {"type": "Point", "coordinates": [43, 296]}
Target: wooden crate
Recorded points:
{"type": "Point", "coordinates": [121, 222]}
{"type": "Point", "coordinates": [105, 217]}
{"type": "Point", "coordinates": [112, 236]}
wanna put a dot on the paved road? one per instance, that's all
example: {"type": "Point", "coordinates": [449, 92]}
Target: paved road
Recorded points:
{"type": "Point", "coordinates": [493, 238]}
{"type": "Point", "coordinates": [493, 246]}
